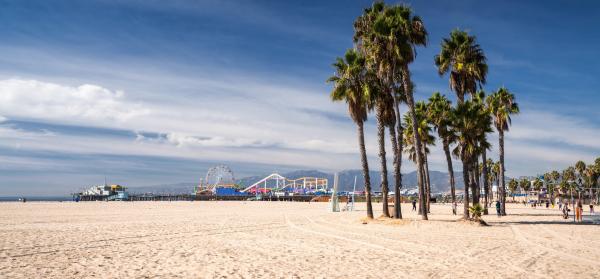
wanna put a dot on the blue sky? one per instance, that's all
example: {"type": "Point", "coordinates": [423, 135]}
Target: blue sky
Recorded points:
{"type": "Point", "coordinates": [150, 92]}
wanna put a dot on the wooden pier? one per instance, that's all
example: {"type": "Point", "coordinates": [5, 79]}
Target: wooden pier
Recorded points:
{"type": "Point", "coordinates": [190, 197]}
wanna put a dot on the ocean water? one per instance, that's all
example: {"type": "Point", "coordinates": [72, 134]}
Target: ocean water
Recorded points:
{"type": "Point", "coordinates": [37, 198]}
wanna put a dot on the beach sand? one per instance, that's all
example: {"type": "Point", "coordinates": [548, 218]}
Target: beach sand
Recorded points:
{"type": "Point", "coordinates": [285, 240]}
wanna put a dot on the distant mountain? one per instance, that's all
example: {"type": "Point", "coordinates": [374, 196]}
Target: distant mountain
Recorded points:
{"type": "Point", "coordinates": [439, 181]}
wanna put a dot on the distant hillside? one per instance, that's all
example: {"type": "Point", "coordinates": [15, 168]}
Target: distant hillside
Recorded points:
{"type": "Point", "coordinates": [439, 181]}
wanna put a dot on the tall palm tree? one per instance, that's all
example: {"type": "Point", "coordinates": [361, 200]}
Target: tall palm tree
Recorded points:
{"type": "Point", "coordinates": [386, 66]}
{"type": "Point", "coordinates": [439, 112]}
{"type": "Point", "coordinates": [382, 106]}
{"type": "Point", "coordinates": [464, 59]}
{"type": "Point", "coordinates": [349, 87]}
{"type": "Point", "coordinates": [388, 35]}
{"type": "Point", "coordinates": [484, 145]}
{"type": "Point", "coordinates": [467, 119]}
{"type": "Point", "coordinates": [427, 140]}
{"type": "Point", "coordinates": [502, 105]}
{"type": "Point", "coordinates": [397, 146]}
{"type": "Point", "coordinates": [390, 121]}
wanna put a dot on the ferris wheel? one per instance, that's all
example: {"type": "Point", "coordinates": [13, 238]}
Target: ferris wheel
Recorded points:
{"type": "Point", "coordinates": [219, 175]}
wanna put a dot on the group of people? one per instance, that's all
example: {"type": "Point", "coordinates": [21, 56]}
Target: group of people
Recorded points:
{"type": "Point", "coordinates": [578, 210]}
{"type": "Point", "coordinates": [564, 207]}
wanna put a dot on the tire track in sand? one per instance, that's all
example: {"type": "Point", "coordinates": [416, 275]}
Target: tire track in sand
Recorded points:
{"type": "Point", "coordinates": [430, 248]}
{"type": "Point", "coordinates": [524, 240]}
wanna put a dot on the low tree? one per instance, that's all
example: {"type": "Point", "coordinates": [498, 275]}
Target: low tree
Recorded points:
{"type": "Point", "coordinates": [525, 184]}
{"type": "Point", "coordinates": [476, 211]}
{"type": "Point", "coordinates": [512, 187]}
{"type": "Point", "coordinates": [538, 184]}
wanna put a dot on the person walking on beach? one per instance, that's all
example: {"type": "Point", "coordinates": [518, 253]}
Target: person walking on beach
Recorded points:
{"type": "Point", "coordinates": [414, 204]}
{"type": "Point", "coordinates": [498, 208]}
{"type": "Point", "coordinates": [454, 205]}
{"type": "Point", "coordinates": [565, 211]}
{"type": "Point", "coordinates": [559, 204]}
{"type": "Point", "coordinates": [591, 209]}
{"type": "Point", "coordinates": [579, 211]}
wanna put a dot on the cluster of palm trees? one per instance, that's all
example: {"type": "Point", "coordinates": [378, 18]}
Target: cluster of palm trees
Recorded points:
{"type": "Point", "coordinates": [563, 182]}
{"type": "Point", "coordinates": [375, 76]}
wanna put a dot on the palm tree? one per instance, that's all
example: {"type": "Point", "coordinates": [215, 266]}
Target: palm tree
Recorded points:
{"type": "Point", "coordinates": [538, 184]}
{"type": "Point", "coordinates": [524, 184]}
{"type": "Point", "coordinates": [563, 186]}
{"type": "Point", "coordinates": [554, 176]}
{"type": "Point", "coordinates": [580, 168]}
{"type": "Point", "coordinates": [388, 35]}
{"type": "Point", "coordinates": [427, 140]}
{"type": "Point", "coordinates": [467, 119]}
{"type": "Point", "coordinates": [464, 59]}
{"type": "Point", "coordinates": [502, 105]}
{"type": "Point", "coordinates": [552, 181]}
{"type": "Point", "coordinates": [484, 145]}
{"type": "Point", "coordinates": [512, 186]}
{"type": "Point", "coordinates": [382, 106]}
{"type": "Point", "coordinates": [349, 86]}
{"type": "Point", "coordinates": [591, 178]}
{"type": "Point", "coordinates": [390, 121]}
{"type": "Point", "coordinates": [494, 170]}
{"type": "Point", "coordinates": [439, 112]}
{"type": "Point", "coordinates": [568, 176]}
{"type": "Point", "coordinates": [397, 146]}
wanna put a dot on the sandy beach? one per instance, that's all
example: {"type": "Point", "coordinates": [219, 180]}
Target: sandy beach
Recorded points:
{"type": "Point", "coordinates": [284, 240]}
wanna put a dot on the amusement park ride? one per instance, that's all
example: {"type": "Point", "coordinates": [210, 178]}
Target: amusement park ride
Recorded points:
{"type": "Point", "coordinates": [220, 180]}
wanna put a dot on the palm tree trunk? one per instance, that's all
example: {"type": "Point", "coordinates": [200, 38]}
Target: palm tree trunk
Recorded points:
{"type": "Point", "coordinates": [474, 186]}
{"type": "Point", "coordinates": [450, 169]}
{"type": "Point", "coordinates": [486, 184]}
{"type": "Point", "coordinates": [465, 166]}
{"type": "Point", "coordinates": [421, 173]}
{"type": "Point", "coordinates": [501, 185]}
{"type": "Point", "coordinates": [397, 175]}
{"type": "Point", "coordinates": [382, 160]}
{"type": "Point", "coordinates": [411, 106]}
{"type": "Point", "coordinates": [365, 167]}
{"type": "Point", "coordinates": [427, 181]}
{"type": "Point", "coordinates": [476, 177]}
{"type": "Point", "coordinates": [398, 159]}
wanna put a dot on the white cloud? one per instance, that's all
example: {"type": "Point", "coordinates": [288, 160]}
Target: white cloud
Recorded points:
{"type": "Point", "coordinates": [554, 127]}
{"type": "Point", "coordinates": [33, 99]}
